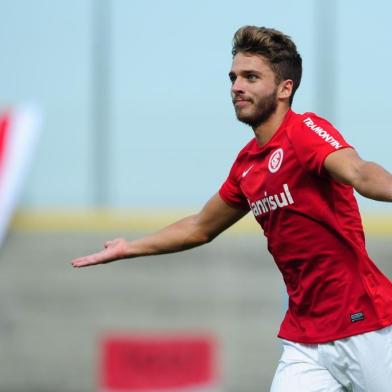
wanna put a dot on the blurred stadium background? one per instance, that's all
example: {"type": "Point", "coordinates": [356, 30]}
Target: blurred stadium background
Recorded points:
{"type": "Point", "coordinates": [137, 130]}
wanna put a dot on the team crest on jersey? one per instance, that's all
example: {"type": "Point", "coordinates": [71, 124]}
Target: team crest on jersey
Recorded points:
{"type": "Point", "coordinates": [275, 160]}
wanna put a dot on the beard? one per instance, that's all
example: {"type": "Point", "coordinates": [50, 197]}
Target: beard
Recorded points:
{"type": "Point", "coordinates": [264, 108]}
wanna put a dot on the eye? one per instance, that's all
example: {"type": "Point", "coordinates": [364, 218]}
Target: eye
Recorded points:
{"type": "Point", "coordinates": [251, 77]}
{"type": "Point", "coordinates": [232, 77]}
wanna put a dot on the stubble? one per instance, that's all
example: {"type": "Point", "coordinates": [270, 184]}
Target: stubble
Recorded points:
{"type": "Point", "coordinates": [263, 110]}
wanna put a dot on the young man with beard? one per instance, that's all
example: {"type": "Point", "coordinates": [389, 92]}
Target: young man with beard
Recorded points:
{"type": "Point", "coordinates": [297, 176]}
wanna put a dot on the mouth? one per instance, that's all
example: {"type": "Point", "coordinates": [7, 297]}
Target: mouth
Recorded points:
{"type": "Point", "coordinates": [240, 102]}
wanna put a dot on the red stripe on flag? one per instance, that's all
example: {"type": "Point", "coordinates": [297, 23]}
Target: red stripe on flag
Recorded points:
{"type": "Point", "coordinates": [137, 363]}
{"type": "Point", "coordinates": [4, 127]}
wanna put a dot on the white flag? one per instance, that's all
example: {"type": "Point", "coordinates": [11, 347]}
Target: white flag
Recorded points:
{"type": "Point", "coordinates": [18, 136]}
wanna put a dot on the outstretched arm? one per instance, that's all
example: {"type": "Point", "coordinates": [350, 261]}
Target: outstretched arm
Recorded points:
{"type": "Point", "coordinates": [215, 217]}
{"type": "Point", "coordinates": [368, 178]}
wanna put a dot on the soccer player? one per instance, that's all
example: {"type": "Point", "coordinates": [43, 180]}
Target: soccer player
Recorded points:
{"type": "Point", "coordinates": [297, 176]}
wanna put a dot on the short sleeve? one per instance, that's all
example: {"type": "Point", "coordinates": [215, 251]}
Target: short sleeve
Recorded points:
{"type": "Point", "coordinates": [231, 193]}
{"type": "Point", "coordinates": [313, 139]}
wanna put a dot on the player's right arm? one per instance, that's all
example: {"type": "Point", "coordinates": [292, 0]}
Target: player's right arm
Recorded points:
{"type": "Point", "coordinates": [215, 217]}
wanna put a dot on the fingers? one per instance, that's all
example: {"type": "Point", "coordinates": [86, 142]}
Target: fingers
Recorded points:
{"type": "Point", "coordinates": [93, 259]}
{"type": "Point", "coordinates": [111, 252]}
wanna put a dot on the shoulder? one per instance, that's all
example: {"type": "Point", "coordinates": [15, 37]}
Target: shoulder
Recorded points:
{"type": "Point", "coordinates": [309, 121]}
{"type": "Point", "coordinates": [313, 138]}
{"type": "Point", "coordinates": [309, 126]}
{"type": "Point", "coordinates": [312, 121]}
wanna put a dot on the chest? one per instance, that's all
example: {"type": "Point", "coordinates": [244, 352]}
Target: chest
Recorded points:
{"type": "Point", "coordinates": [269, 174]}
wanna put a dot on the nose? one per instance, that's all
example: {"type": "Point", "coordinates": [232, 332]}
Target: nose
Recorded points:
{"type": "Point", "coordinates": [237, 86]}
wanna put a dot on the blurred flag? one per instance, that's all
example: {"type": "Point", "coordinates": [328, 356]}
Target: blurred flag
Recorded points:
{"type": "Point", "coordinates": [156, 363]}
{"type": "Point", "coordinates": [18, 136]}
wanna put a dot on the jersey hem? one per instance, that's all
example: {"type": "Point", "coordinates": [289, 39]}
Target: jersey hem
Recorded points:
{"type": "Point", "coordinates": [310, 340]}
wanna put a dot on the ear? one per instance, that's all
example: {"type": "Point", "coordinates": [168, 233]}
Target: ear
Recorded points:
{"type": "Point", "coordinates": [285, 89]}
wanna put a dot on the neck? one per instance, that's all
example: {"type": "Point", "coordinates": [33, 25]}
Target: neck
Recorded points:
{"type": "Point", "coordinates": [265, 131]}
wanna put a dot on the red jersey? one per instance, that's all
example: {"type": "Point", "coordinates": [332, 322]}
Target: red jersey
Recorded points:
{"type": "Point", "coordinates": [314, 232]}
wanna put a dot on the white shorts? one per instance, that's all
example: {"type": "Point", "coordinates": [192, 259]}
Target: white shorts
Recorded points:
{"type": "Point", "coordinates": [361, 363]}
